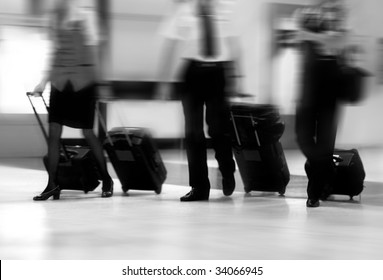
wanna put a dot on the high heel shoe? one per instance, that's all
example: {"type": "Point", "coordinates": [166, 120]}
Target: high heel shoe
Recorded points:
{"type": "Point", "coordinates": [107, 188]}
{"type": "Point", "coordinates": [55, 192]}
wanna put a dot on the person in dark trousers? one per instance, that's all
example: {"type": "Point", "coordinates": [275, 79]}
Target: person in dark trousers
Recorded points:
{"type": "Point", "coordinates": [73, 74]}
{"type": "Point", "coordinates": [207, 47]}
{"type": "Point", "coordinates": [322, 38]}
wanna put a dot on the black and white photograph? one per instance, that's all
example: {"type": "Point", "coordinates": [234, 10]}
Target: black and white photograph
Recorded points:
{"type": "Point", "coordinates": [191, 130]}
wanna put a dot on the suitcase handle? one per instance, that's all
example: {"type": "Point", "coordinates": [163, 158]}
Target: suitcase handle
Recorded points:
{"type": "Point", "coordinates": [235, 128]}
{"type": "Point", "coordinates": [103, 125]}
{"type": "Point", "coordinates": [40, 94]}
{"type": "Point", "coordinates": [337, 158]}
{"type": "Point", "coordinates": [253, 123]}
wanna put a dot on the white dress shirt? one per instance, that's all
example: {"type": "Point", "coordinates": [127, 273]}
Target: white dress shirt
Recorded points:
{"type": "Point", "coordinates": [185, 25]}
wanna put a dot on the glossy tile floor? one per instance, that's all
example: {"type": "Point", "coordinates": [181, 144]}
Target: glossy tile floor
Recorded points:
{"type": "Point", "coordinates": [143, 225]}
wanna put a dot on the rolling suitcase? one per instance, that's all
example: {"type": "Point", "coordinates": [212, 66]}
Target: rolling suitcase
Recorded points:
{"type": "Point", "coordinates": [256, 131]}
{"type": "Point", "coordinates": [77, 168]}
{"type": "Point", "coordinates": [350, 173]}
{"type": "Point", "coordinates": [135, 158]}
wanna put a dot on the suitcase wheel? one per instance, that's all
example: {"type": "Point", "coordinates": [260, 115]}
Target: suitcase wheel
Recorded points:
{"type": "Point", "coordinates": [125, 190]}
{"type": "Point", "coordinates": [159, 189]}
{"type": "Point", "coordinates": [247, 190]}
{"type": "Point", "coordinates": [282, 193]}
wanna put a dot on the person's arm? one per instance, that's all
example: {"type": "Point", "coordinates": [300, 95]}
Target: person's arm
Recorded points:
{"type": "Point", "coordinates": [165, 69]}
{"type": "Point", "coordinates": [236, 74]}
{"type": "Point", "coordinates": [328, 42]}
{"type": "Point", "coordinates": [93, 40]}
{"type": "Point", "coordinates": [171, 40]}
{"type": "Point", "coordinates": [323, 38]}
{"type": "Point", "coordinates": [40, 87]}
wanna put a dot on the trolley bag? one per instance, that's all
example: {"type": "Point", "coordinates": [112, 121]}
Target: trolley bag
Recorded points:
{"type": "Point", "coordinates": [350, 173]}
{"type": "Point", "coordinates": [135, 158]}
{"type": "Point", "coordinates": [77, 171]}
{"type": "Point", "coordinates": [256, 131]}
{"type": "Point", "coordinates": [77, 168]}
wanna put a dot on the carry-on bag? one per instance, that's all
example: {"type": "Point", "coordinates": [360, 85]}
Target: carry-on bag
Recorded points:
{"type": "Point", "coordinates": [256, 131]}
{"type": "Point", "coordinates": [349, 173]}
{"type": "Point", "coordinates": [77, 168]}
{"type": "Point", "coordinates": [135, 158]}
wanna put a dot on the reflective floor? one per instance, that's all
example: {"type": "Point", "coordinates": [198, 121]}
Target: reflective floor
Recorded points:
{"type": "Point", "coordinates": [143, 225]}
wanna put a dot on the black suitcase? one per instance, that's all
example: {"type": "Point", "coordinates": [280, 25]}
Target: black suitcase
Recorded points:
{"type": "Point", "coordinates": [256, 131]}
{"type": "Point", "coordinates": [350, 173]}
{"type": "Point", "coordinates": [135, 158]}
{"type": "Point", "coordinates": [77, 168]}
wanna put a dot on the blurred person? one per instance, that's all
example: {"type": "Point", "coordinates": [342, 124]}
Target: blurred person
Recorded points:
{"type": "Point", "coordinates": [207, 44]}
{"type": "Point", "coordinates": [323, 38]}
{"type": "Point", "coordinates": [73, 74]}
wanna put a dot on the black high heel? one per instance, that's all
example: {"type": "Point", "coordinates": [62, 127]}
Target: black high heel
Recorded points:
{"type": "Point", "coordinates": [107, 188]}
{"type": "Point", "coordinates": [55, 192]}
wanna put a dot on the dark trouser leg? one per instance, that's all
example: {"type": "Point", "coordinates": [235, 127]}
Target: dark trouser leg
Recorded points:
{"type": "Point", "coordinates": [316, 133]}
{"type": "Point", "coordinates": [326, 135]}
{"type": "Point", "coordinates": [320, 175]}
{"type": "Point", "coordinates": [195, 141]}
{"type": "Point", "coordinates": [306, 131]}
{"type": "Point", "coordinates": [316, 125]}
{"type": "Point", "coordinates": [218, 120]}
{"type": "Point", "coordinates": [55, 131]}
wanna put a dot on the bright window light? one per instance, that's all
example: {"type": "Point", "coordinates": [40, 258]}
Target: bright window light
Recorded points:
{"type": "Point", "coordinates": [23, 60]}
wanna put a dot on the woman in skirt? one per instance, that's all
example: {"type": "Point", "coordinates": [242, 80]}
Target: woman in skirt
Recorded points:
{"type": "Point", "coordinates": [73, 74]}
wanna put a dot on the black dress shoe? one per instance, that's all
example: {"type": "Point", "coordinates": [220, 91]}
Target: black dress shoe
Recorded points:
{"type": "Point", "coordinates": [311, 203]}
{"type": "Point", "coordinates": [47, 193]}
{"type": "Point", "coordinates": [228, 185]}
{"type": "Point", "coordinates": [195, 195]}
{"type": "Point", "coordinates": [107, 188]}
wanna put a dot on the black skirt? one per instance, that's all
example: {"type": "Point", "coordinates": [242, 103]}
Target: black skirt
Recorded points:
{"type": "Point", "coordinates": [73, 108]}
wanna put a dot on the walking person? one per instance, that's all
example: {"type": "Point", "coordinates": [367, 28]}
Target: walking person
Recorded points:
{"type": "Point", "coordinates": [73, 75]}
{"type": "Point", "coordinates": [207, 46]}
{"type": "Point", "coordinates": [323, 38]}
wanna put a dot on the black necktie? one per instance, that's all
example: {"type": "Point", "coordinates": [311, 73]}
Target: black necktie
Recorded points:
{"type": "Point", "coordinates": [208, 42]}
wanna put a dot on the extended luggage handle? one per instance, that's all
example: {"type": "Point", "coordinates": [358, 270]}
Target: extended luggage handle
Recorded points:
{"type": "Point", "coordinates": [235, 129]}
{"type": "Point", "coordinates": [253, 123]}
{"type": "Point", "coordinates": [103, 125]}
{"type": "Point", "coordinates": [40, 94]}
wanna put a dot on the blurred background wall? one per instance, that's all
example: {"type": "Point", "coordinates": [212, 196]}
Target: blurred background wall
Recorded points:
{"type": "Point", "coordinates": [134, 50]}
